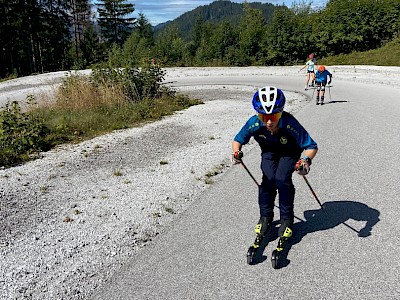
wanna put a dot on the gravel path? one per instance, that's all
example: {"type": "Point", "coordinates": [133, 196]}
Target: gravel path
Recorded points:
{"type": "Point", "coordinates": [69, 220]}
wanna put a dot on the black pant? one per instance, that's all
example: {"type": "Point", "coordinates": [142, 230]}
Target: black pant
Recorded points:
{"type": "Point", "coordinates": [277, 177]}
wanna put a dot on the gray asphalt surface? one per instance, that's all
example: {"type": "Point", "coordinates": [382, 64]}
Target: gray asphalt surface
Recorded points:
{"type": "Point", "coordinates": [348, 251]}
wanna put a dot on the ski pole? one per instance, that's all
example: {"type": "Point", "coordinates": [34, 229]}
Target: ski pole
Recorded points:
{"type": "Point", "coordinates": [312, 191]}
{"type": "Point", "coordinates": [248, 171]}
{"type": "Point", "coordinates": [312, 97]}
{"type": "Point", "coordinates": [330, 97]}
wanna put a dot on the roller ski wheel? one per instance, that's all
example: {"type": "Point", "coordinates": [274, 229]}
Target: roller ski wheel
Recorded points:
{"type": "Point", "coordinates": [261, 229]}
{"type": "Point", "coordinates": [250, 254]}
{"type": "Point", "coordinates": [275, 259]}
{"type": "Point", "coordinates": [277, 253]}
{"type": "Point", "coordinates": [253, 250]}
{"type": "Point", "coordinates": [285, 233]}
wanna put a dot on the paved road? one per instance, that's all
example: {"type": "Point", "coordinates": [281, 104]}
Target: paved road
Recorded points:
{"type": "Point", "coordinates": [348, 252]}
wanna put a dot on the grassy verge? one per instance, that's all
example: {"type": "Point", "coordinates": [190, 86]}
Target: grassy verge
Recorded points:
{"type": "Point", "coordinates": [86, 107]}
{"type": "Point", "coordinates": [388, 55]}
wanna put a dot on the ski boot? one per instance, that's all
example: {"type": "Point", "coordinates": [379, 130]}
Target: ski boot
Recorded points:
{"type": "Point", "coordinates": [284, 234]}
{"type": "Point", "coordinates": [317, 100]}
{"type": "Point", "coordinates": [261, 229]}
{"type": "Point", "coordinates": [322, 100]}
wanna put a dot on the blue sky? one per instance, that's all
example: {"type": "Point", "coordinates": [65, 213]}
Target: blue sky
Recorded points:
{"type": "Point", "coordinates": [160, 11]}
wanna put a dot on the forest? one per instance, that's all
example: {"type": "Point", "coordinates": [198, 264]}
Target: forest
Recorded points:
{"type": "Point", "coordinates": [39, 36]}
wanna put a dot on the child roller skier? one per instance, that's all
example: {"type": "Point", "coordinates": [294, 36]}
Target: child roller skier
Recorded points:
{"type": "Point", "coordinates": [321, 79]}
{"type": "Point", "coordinates": [282, 140]}
{"type": "Point", "coordinates": [310, 65]}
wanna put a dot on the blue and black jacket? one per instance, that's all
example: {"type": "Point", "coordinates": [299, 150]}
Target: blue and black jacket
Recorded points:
{"type": "Point", "coordinates": [322, 77]}
{"type": "Point", "coordinates": [290, 140]}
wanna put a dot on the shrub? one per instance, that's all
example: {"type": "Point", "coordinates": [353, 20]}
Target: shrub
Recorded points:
{"type": "Point", "coordinates": [21, 135]}
{"type": "Point", "coordinates": [135, 83]}
{"type": "Point", "coordinates": [85, 107]}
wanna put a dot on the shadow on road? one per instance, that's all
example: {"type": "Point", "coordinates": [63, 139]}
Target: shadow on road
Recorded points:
{"type": "Point", "coordinates": [338, 101]}
{"type": "Point", "coordinates": [335, 213]}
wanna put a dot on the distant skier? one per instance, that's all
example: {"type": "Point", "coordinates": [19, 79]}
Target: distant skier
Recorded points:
{"type": "Point", "coordinates": [322, 77]}
{"type": "Point", "coordinates": [310, 64]}
{"type": "Point", "coordinates": [282, 140]}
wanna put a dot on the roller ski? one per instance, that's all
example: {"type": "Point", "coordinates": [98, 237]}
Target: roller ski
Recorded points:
{"type": "Point", "coordinates": [284, 234]}
{"type": "Point", "coordinates": [261, 229]}
{"type": "Point", "coordinates": [318, 101]}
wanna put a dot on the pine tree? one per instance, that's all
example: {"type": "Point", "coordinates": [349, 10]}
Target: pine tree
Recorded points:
{"type": "Point", "coordinates": [115, 26]}
{"type": "Point", "coordinates": [81, 24]}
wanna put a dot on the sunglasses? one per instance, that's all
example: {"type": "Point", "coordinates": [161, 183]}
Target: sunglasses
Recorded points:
{"type": "Point", "coordinates": [273, 117]}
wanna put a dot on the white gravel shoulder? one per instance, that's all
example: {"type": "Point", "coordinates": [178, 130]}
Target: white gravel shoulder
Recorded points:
{"type": "Point", "coordinates": [69, 220]}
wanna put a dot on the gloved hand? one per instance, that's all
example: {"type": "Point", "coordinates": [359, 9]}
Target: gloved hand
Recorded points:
{"type": "Point", "coordinates": [329, 82]}
{"type": "Point", "coordinates": [303, 166]}
{"type": "Point", "coordinates": [237, 157]}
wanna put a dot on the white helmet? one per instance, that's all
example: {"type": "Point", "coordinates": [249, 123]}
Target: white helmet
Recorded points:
{"type": "Point", "coordinates": [269, 100]}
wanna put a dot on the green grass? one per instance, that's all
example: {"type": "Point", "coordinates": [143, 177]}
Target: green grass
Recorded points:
{"type": "Point", "coordinates": [13, 76]}
{"type": "Point", "coordinates": [117, 172]}
{"type": "Point", "coordinates": [74, 125]}
{"type": "Point", "coordinates": [387, 55]}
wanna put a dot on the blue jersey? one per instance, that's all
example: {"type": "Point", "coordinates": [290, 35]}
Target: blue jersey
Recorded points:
{"type": "Point", "coordinates": [322, 76]}
{"type": "Point", "coordinates": [290, 140]}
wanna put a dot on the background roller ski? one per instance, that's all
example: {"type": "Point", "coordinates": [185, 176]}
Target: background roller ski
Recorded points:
{"type": "Point", "coordinates": [284, 234]}
{"type": "Point", "coordinates": [261, 229]}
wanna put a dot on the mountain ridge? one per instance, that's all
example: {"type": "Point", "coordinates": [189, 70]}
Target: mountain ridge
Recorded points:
{"type": "Point", "coordinates": [216, 12]}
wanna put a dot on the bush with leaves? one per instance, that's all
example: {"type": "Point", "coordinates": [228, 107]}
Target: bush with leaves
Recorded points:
{"type": "Point", "coordinates": [137, 83]}
{"type": "Point", "coordinates": [21, 135]}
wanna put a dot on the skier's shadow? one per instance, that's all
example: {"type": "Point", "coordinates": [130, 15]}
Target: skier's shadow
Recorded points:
{"type": "Point", "coordinates": [334, 213]}
{"type": "Point", "coordinates": [336, 101]}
